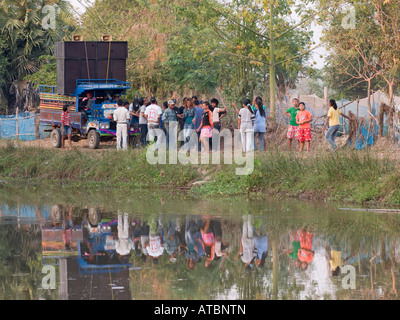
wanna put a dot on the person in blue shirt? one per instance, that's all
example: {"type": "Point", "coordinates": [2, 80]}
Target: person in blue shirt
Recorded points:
{"type": "Point", "coordinates": [197, 120]}
{"type": "Point", "coordinates": [260, 125]}
{"type": "Point", "coordinates": [261, 245]}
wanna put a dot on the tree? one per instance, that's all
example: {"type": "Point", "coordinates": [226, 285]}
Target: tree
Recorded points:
{"type": "Point", "coordinates": [201, 45]}
{"type": "Point", "coordinates": [268, 44]}
{"type": "Point", "coordinates": [26, 35]}
{"type": "Point", "coordinates": [370, 48]}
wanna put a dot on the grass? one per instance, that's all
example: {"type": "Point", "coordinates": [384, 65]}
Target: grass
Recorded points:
{"type": "Point", "coordinates": [349, 176]}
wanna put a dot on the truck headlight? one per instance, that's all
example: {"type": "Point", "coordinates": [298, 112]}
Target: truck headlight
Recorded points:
{"type": "Point", "coordinates": [104, 125]}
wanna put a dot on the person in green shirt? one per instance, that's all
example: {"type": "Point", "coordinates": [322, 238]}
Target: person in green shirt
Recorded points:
{"type": "Point", "coordinates": [293, 129]}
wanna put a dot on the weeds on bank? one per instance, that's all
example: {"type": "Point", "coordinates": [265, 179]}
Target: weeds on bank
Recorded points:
{"type": "Point", "coordinates": [358, 176]}
{"type": "Point", "coordinates": [128, 167]}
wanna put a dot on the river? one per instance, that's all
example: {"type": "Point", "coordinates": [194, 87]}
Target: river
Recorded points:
{"type": "Point", "coordinates": [59, 245]}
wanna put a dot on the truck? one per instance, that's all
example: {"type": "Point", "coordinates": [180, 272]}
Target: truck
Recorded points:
{"type": "Point", "coordinates": [89, 75]}
{"type": "Point", "coordinates": [95, 122]}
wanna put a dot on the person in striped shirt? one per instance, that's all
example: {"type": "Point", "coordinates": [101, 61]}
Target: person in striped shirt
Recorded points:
{"type": "Point", "coordinates": [66, 126]}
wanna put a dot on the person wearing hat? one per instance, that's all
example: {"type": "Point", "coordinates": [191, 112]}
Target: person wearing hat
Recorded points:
{"type": "Point", "coordinates": [171, 124]}
{"type": "Point", "coordinates": [115, 98]}
{"type": "Point", "coordinates": [134, 112]}
{"type": "Point", "coordinates": [134, 108]}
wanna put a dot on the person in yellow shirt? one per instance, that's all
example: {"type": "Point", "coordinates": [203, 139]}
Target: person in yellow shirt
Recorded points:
{"type": "Point", "coordinates": [334, 124]}
{"type": "Point", "coordinates": [334, 259]}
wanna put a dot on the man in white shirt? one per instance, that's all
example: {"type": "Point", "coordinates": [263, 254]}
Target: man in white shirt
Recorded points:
{"type": "Point", "coordinates": [155, 244]}
{"type": "Point", "coordinates": [153, 116]}
{"type": "Point", "coordinates": [123, 244]}
{"type": "Point", "coordinates": [121, 117]}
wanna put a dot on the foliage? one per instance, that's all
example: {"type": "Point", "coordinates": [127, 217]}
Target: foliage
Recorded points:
{"type": "Point", "coordinates": [24, 40]}
{"type": "Point", "coordinates": [47, 73]}
{"type": "Point", "coordinates": [362, 53]}
{"type": "Point", "coordinates": [348, 176]}
{"type": "Point", "coordinates": [185, 47]}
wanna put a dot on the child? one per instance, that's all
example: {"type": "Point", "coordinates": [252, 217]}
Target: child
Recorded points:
{"type": "Point", "coordinates": [305, 253]}
{"type": "Point", "coordinates": [205, 128]}
{"type": "Point", "coordinates": [334, 124]}
{"type": "Point", "coordinates": [303, 119]}
{"type": "Point", "coordinates": [66, 126]}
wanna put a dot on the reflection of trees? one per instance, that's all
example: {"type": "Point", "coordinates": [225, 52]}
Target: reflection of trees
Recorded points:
{"type": "Point", "coordinates": [20, 259]}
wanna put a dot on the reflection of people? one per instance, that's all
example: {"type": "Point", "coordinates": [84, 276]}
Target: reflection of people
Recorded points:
{"type": "Point", "coordinates": [295, 241]}
{"type": "Point", "coordinates": [67, 228]}
{"type": "Point", "coordinates": [207, 235]}
{"type": "Point", "coordinates": [247, 248]}
{"type": "Point", "coordinates": [194, 247]}
{"type": "Point", "coordinates": [334, 259]}
{"type": "Point", "coordinates": [123, 244]}
{"type": "Point", "coordinates": [172, 239]}
{"type": "Point", "coordinates": [261, 245]}
{"type": "Point", "coordinates": [144, 239]}
{"type": "Point", "coordinates": [305, 253]}
{"type": "Point", "coordinates": [155, 245]}
{"type": "Point", "coordinates": [221, 247]}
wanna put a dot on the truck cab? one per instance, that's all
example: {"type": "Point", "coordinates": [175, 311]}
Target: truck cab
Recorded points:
{"type": "Point", "coordinates": [91, 107]}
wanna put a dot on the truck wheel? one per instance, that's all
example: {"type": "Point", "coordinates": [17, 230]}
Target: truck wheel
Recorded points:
{"type": "Point", "coordinates": [93, 139]}
{"type": "Point", "coordinates": [55, 138]}
{"type": "Point", "coordinates": [94, 217]}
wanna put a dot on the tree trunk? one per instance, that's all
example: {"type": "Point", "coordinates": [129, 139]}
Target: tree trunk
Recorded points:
{"type": "Point", "coordinates": [369, 96]}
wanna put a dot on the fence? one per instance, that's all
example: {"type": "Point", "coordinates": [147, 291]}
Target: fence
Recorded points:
{"type": "Point", "coordinates": [22, 126]}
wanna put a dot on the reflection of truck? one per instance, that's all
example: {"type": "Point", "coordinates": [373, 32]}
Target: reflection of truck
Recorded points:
{"type": "Point", "coordinates": [103, 64]}
{"type": "Point", "coordinates": [95, 123]}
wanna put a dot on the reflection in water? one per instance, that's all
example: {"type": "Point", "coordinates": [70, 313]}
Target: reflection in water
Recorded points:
{"type": "Point", "coordinates": [101, 254]}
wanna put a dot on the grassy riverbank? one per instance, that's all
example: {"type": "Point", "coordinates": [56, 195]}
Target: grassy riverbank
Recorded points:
{"type": "Point", "coordinates": [348, 176]}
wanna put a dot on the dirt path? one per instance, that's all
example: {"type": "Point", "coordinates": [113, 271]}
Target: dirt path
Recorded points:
{"type": "Point", "coordinates": [382, 148]}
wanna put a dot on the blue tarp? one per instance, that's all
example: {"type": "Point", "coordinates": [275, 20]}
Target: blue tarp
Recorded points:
{"type": "Point", "coordinates": [26, 127]}
{"type": "Point", "coordinates": [24, 211]}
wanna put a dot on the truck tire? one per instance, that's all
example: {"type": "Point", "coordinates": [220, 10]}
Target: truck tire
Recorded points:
{"type": "Point", "coordinates": [55, 138]}
{"type": "Point", "coordinates": [94, 217]}
{"type": "Point", "coordinates": [93, 139]}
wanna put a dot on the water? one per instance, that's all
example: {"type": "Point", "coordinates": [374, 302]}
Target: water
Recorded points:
{"type": "Point", "coordinates": [93, 259]}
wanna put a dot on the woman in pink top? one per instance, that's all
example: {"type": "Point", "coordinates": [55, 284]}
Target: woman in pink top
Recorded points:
{"type": "Point", "coordinates": [303, 119]}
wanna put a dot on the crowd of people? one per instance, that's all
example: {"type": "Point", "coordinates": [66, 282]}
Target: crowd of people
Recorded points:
{"type": "Point", "coordinates": [203, 118]}
{"type": "Point", "coordinates": [193, 117]}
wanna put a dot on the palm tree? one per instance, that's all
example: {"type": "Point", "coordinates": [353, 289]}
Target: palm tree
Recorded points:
{"type": "Point", "coordinates": [23, 40]}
